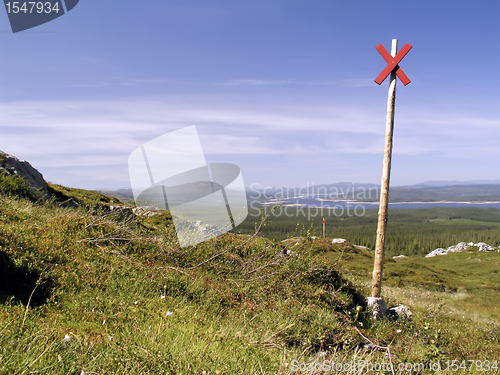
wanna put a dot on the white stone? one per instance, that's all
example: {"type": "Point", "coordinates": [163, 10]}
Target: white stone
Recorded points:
{"type": "Point", "coordinates": [484, 247]}
{"type": "Point", "coordinates": [338, 240]}
{"type": "Point", "coordinates": [438, 251]}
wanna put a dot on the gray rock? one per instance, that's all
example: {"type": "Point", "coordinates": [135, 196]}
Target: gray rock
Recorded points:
{"type": "Point", "coordinates": [23, 169]}
{"type": "Point", "coordinates": [399, 312]}
{"type": "Point", "coordinates": [380, 311]}
{"type": "Point", "coordinates": [484, 247]}
{"type": "Point", "coordinates": [438, 251]}
{"type": "Point", "coordinates": [460, 246]}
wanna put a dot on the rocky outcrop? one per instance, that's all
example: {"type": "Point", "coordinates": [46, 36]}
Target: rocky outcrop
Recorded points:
{"type": "Point", "coordinates": [481, 246]}
{"type": "Point", "coordinates": [22, 168]}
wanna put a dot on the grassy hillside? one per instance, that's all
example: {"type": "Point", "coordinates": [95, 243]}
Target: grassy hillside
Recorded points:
{"type": "Point", "coordinates": [87, 290]}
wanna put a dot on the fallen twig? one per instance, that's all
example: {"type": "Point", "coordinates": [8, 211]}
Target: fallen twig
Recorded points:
{"type": "Point", "coordinates": [387, 348]}
{"type": "Point", "coordinates": [408, 351]}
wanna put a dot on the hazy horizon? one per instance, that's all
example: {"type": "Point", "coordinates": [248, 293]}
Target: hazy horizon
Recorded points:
{"type": "Point", "coordinates": [436, 183]}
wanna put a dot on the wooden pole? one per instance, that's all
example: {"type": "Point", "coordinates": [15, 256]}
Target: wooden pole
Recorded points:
{"type": "Point", "coordinates": [324, 228]}
{"type": "Point", "coordinates": [378, 266]}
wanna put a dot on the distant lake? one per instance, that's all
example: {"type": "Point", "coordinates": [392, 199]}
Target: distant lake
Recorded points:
{"type": "Point", "coordinates": [313, 202]}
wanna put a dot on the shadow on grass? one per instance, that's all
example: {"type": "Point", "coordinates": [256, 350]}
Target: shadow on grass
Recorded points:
{"type": "Point", "coordinates": [17, 284]}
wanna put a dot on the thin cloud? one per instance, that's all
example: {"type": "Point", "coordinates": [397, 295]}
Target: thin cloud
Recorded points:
{"type": "Point", "coordinates": [122, 81]}
{"type": "Point", "coordinates": [89, 85]}
{"type": "Point", "coordinates": [252, 82]}
{"type": "Point", "coordinates": [86, 133]}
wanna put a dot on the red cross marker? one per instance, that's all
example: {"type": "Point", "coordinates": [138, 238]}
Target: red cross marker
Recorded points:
{"type": "Point", "coordinates": [392, 64]}
{"type": "Point", "coordinates": [392, 68]}
{"type": "Point", "coordinates": [324, 221]}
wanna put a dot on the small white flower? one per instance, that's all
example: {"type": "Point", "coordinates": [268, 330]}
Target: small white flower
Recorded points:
{"type": "Point", "coordinates": [83, 373]}
{"type": "Point", "coordinates": [67, 338]}
{"type": "Point", "coordinates": [110, 338]}
{"type": "Point", "coordinates": [169, 313]}
{"type": "Point", "coordinates": [104, 322]}
{"type": "Point", "coordinates": [135, 303]}
{"type": "Point", "coordinates": [162, 297]}
{"type": "Point", "coordinates": [399, 331]}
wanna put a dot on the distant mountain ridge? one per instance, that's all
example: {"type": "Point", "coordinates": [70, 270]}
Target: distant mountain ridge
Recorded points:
{"type": "Point", "coordinates": [430, 191]}
{"type": "Point", "coordinates": [453, 183]}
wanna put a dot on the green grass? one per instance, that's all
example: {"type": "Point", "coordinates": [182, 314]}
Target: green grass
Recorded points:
{"type": "Point", "coordinates": [132, 301]}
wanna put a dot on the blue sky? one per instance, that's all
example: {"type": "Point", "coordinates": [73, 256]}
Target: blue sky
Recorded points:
{"type": "Point", "coordinates": [282, 88]}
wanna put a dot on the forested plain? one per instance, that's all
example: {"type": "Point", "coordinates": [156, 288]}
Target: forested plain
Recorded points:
{"type": "Point", "coordinates": [409, 231]}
